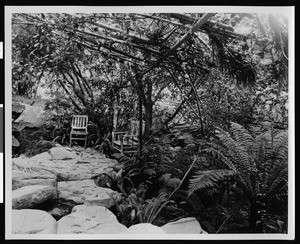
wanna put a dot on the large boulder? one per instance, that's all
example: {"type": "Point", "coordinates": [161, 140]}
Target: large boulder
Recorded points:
{"type": "Point", "coordinates": [32, 221]}
{"type": "Point", "coordinates": [17, 108]}
{"type": "Point", "coordinates": [30, 196]}
{"type": "Point", "coordinates": [20, 179]}
{"type": "Point", "coordinates": [184, 226]}
{"type": "Point", "coordinates": [85, 192]}
{"type": "Point", "coordinates": [62, 153]}
{"type": "Point", "coordinates": [90, 220]}
{"type": "Point", "coordinates": [32, 116]}
{"type": "Point", "coordinates": [144, 228]}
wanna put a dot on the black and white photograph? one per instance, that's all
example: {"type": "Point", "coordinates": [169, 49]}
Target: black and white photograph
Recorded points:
{"type": "Point", "coordinates": [167, 122]}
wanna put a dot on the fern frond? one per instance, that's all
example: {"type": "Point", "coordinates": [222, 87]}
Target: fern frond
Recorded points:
{"type": "Point", "coordinates": [277, 181]}
{"type": "Point", "coordinates": [281, 145]}
{"type": "Point", "coordinates": [220, 156]}
{"type": "Point", "coordinates": [261, 146]}
{"type": "Point", "coordinates": [240, 155]}
{"type": "Point", "coordinates": [245, 183]}
{"type": "Point", "coordinates": [209, 178]}
{"type": "Point", "coordinates": [241, 135]}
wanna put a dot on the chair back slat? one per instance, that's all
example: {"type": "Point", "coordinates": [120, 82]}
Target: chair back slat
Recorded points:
{"type": "Point", "coordinates": [79, 122]}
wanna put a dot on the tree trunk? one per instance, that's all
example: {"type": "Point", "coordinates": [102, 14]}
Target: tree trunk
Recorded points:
{"type": "Point", "coordinates": [148, 105]}
{"type": "Point", "coordinates": [148, 120]}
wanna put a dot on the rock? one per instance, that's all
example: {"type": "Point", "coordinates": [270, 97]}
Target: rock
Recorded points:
{"type": "Point", "coordinates": [183, 226]}
{"type": "Point", "coordinates": [32, 116]}
{"type": "Point", "coordinates": [144, 228]}
{"type": "Point", "coordinates": [58, 207]}
{"type": "Point", "coordinates": [42, 157]}
{"type": "Point", "coordinates": [17, 107]}
{"type": "Point", "coordinates": [82, 166]}
{"type": "Point", "coordinates": [90, 220]}
{"type": "Point", "coordinates": [32, 221]}
{"type": "Point", "coordinates": [62, 153]}
{"type": "Point", "coordinates": [30, 196]}
{"type": "Point", "coordinates": [85, 192]}
{"type": "Point", "coordinates": [15, 142]}
{"type": "Point", "coordinates": [20, 179]}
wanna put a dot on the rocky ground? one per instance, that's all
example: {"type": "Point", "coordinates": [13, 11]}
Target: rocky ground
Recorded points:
{"type": "Point", "coordinates": [42, 184]}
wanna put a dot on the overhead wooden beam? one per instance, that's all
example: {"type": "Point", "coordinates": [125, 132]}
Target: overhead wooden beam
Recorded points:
{"type": "Point", "coordinates": [119, 41]}
{"type": "Point", "coordinates": [194, 28]}
{"type": "Point", "coordinates": [111, 48]}
{"type": "Point", "coordinates": [223, 29]}
{"type": "Point", "coordinates": [164, 20]}
{"type": "Point", "coordinates": [114, 29]}
{"type": "Point", "coordinates": [113, 56]}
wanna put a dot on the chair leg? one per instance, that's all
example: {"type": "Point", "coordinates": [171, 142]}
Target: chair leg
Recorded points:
{"type": "Point", "coordinates": [70, 144]}
{"type": "Point", "coordinates": [85, 141]}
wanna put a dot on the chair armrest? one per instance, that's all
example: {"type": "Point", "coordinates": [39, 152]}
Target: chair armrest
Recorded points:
{"type": "Point", "coordinates": [131, 137]}
{"type": "Point", "coordinates": [118, 135]}
{"type": "Point", "coordinates": [119, 132]}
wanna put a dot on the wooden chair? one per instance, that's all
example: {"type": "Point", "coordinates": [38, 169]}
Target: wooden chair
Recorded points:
{"type": "Point", "coordinates": [127, 142]}
{"type": "Point", "coordinates": [79, 129]}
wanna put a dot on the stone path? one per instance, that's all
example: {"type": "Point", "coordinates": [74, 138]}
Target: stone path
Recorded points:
{"type": "Point", "coordinates": [65, 173]}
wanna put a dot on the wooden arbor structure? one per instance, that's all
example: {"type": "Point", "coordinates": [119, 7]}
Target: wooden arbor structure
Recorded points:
{"type": "Point", "coordinates": [126, 44]}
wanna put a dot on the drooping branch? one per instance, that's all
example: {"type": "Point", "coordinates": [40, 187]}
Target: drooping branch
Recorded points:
{"type": "Point", "coordinates": [81, 81]}
{"type": "Point", "coordinates": [76, 91]}
{"type": "Point", "coordinates": [69, 95]}
{"type": "Point", "coordinates": [77, 79]}
{"type": "Point", "coordinates": [85, 83]}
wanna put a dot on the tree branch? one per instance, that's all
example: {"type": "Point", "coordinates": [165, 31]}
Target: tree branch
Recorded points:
{"type": "Point", "coordinates": [169, 119]}
{"type": "Point", "coordinates": [69, 95]}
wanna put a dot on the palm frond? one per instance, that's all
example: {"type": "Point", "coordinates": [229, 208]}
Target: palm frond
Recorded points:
{"type": "Point", "coordinates": [205, 179]}
{"type": "Point", "coordinates": [232, 61]}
